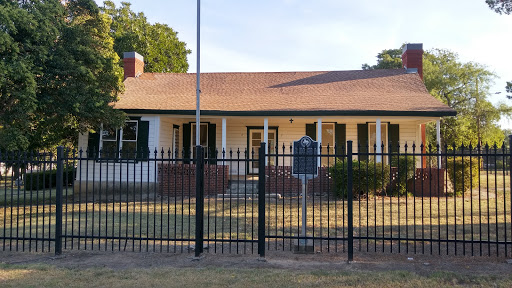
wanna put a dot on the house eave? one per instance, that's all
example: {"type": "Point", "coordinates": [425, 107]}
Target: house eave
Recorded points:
{"type": "Point", "coordinates": [295, 113]}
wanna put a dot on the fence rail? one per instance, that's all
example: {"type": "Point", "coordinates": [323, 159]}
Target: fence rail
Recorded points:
{"type": "Point", "coordinates": [404, 200]}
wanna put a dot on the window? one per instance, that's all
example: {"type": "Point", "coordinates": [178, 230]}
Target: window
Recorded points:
{"type": "Point", "coordinates": [203, 138]}
{"type": "Point", "coordinates": [328, 140]}
{"type": "Point", "coordinates": [120, 143]}
{"type": "Point", "coordinates": [176, 142]}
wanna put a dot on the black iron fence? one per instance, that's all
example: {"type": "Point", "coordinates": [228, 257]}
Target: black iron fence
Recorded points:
{"type": "Point", "coordinates": [393, 199]}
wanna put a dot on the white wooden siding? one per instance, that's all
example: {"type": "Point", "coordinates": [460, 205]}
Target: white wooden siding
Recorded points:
{"type": "Point", "coordinates": [161, 128]}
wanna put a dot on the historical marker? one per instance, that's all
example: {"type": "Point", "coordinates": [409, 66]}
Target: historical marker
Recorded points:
{"type": "Point", "coordinates": [304, 167]}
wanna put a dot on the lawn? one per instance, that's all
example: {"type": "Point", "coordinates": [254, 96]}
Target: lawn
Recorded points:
{"type": "Point", "coordinates": [45, 275]}
{"type": "Point", "coordinates": [170, 223]}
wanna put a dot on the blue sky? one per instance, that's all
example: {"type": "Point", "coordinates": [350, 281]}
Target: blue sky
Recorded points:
{"type": "Point", "coordinates": [306, 35]}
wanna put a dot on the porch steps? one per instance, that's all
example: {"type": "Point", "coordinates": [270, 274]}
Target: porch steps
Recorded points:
{"type": "Point", "coordinates": [244, 189]}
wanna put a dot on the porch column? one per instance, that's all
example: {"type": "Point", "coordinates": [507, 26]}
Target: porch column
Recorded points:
{"type": "Point", "coordinates": [223, 138]}
{"type": "Point", "coordinates": [438, 136]}
{"type": "Point", "coordinates": [319, 139]}
{"type": "Point", "coordinates": [265, 138]}
{"type": "Point", "coordinates": [378, 140]}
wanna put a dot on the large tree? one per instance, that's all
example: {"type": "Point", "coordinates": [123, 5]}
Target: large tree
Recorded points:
{"type": "Point", "coordinates": [158, 43]}
{"type": "Point", "coordinates": [462, 86]}
{"type": "Point", "coordinates": [500, 6]}
{"type": "Point", "coordinates": [59, 73]}
{"type": "Point", "coordinates": [387, 59]}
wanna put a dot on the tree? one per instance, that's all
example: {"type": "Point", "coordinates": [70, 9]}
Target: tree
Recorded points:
{"type": "Point", "coordinates": [158, 43]}
{"type": "Point", "coordinates": [387, 59]}
{"type": "Point", "coordinates": [60, 73]}
{"type": "Point", "coordinates": [462, 86]}
{"type": "Point", "coordinates": [500, 6]}
{"type": "Point", "coordinates": [508, 88]}
{"type": "Point", "coordinates": [465, 88]}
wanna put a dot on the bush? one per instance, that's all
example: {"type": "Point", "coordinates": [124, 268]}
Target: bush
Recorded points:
{"type": "Point", "coordinates": [454, 166]}
{"type": "Point", "coordinates": [43, 179]}
{"type": "Point", "coordinates": [405, 170]}
{"type": "Point", "coordinates": [368, 177]}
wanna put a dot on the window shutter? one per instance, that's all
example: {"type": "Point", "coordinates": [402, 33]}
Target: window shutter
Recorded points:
{"type": "Point", "coordinates": [340, 132]}
{"type": "Point", "coordinates": [394, 137]}
{"type": "Point", "coordinates": [186, 142]}
{"type": "Point", "coordinates": [311, 131]}
{"type": "Point", "coordinates": [362, 139]}
{"type": "Point", "coordinates": [143, 140]}
{"type": "Point", "coordinates": [93, 144]}
{"type": "Point", "coordinates": [212, 141]}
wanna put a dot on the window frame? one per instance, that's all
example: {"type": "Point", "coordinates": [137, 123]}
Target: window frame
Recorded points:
{"type": "Point", "coordinates": [119, 144]}
{"type": "Point", "coordinates": [193, 139]}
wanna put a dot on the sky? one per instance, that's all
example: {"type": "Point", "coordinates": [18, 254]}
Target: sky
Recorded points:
{"type": "Point", "coordinates": [323, 35]}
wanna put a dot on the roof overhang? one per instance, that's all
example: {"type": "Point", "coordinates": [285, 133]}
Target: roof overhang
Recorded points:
{"type": "Point", "coordinates": [296, 113]}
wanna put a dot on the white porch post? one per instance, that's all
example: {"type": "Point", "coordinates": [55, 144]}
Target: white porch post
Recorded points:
{"type": "Point", "coordinates": [438, 136]}
{"type": "Point", "coordinates": [223, 137]}
{"type": "Point", "coordinates": [265, 138]}
{"type": "Point", "coordinates": [378, 140]}
{"type": "Point", "coordinates": [319, 139]}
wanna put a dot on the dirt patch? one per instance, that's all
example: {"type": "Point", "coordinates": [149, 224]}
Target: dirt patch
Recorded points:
{"type": "Point", "coordinates": [364, 262]}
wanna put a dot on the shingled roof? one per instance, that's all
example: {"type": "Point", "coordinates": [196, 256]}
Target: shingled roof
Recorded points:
{"type": "Point", "coordinates": [386, 92]}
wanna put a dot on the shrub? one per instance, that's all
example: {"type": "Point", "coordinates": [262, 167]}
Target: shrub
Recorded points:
{"type": "Point", "coordinates": [457, 174]}
{"type": "Point", "coordinates": [368, 177]}
{"type": "Point", "coordinates": [405, 170]}
{"type": "Point", "coordinates": [43, 179]}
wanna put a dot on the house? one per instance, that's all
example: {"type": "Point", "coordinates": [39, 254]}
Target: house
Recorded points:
{"type": "Point", "coordinates": [240, 110]}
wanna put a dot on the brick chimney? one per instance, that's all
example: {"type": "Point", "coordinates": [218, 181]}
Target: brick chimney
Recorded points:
{"type": "Point", "coordinates": [133, 64]}
{"type": "Point", "coordinates": [412, 59]}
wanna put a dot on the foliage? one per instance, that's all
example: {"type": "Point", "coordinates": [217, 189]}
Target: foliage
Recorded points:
{"type": "Point", "coordinates": [500, 6]}
{"type": "Point", "coordinates": [405, 167]}
{"type": "Point", "coordinates": [465, 88]}
{"type": "Point", "coordinates": [462, 86]}
{"type": "Point", "coordinates": [387, 59]}
{"type": "Point", "coordinates": [369, 177]}
{"type": "Point", "coordinates": [158, 43]}
{"type": "Point", "coordinates": [508, 88]}
{"type": "Point", "coordinates": [461, 172]}
{"type": "Point", "coordinates": [59, 73]}
{"type": "Point", "coordinates": [48, 179]}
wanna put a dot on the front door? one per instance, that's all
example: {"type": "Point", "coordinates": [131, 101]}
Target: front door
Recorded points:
{"type": "Point", "coordinates": [255, 139]}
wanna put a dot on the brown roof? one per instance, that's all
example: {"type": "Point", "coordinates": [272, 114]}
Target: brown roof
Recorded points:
{"type": "Point", "coordinates": [360, 92]}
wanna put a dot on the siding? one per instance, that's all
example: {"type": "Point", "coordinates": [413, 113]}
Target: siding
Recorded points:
{"type": "Point", "coordinates": [161, 127]}
{"type": "Point", "coordinates": [142, 171]}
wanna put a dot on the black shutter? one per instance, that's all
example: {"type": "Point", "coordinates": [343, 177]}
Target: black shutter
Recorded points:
{"type": "Point", "coordinates": [362, 139]}
{"type": "Point", "coordinates": [340, 132]}
{"type": "Point", "coordinates": [143, 140]}
{"type": "Point", "coordinates": [186, 142]}
{"type": "Point", "coordinates": [212, 141]}
{"type": "Point", "coordinates": [93, 144]}
{"type": "Point", "coordinates": [311, 131]}
{"type": "Point", "coordinates": [394, 138]}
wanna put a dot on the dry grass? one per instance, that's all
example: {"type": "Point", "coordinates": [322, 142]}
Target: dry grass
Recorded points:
{"type": "Point", "coordinates": [158, 222]}
{"type": "Point", "coordinates": [50, 276]}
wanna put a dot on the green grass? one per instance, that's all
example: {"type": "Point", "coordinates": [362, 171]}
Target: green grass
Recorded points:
{"type": "Point", "coordinates": [44, 275]}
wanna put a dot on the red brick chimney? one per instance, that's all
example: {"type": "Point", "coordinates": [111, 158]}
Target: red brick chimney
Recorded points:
{"type": "Point", "coordinates": [412, 58]}
{"type": "Point", "coordinates": [133, 64]}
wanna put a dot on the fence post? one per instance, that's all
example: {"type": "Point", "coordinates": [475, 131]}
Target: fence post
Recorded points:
{"type": "Point", "coordinates": [350, 203]}
{"type": "Point", "coordinates": [261, 200]}
{"type": "Point", "coordinates": [58, 201]}
{"type": "Point", "coordinates": [199, 200]}
{"type": "Point", "coordinates": [510, 175]}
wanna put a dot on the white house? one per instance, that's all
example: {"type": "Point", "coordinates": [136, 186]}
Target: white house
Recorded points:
{"type": "Point", "coordinates": [240, 110]}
